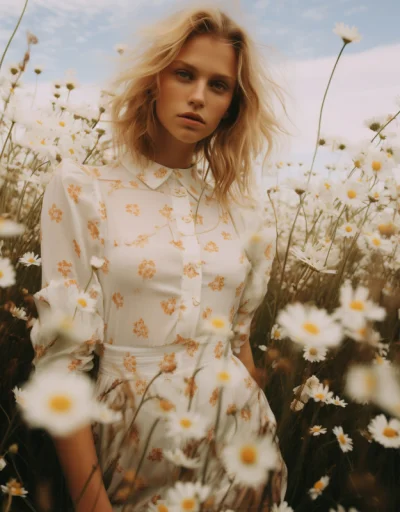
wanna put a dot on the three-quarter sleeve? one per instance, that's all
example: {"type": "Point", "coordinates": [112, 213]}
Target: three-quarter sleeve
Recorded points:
{"type": "Point", "coordinates": [71, 235]}
{"type": "Point", "coordinates": [259, 241]}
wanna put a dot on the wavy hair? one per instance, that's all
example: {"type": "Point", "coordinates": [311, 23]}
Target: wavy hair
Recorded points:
{"type": "Point", "coordinates": [229, 152]}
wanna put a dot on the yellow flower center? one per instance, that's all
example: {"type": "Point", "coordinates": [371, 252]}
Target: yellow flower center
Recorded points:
{"type": "Point", "coordinates": [1, 274]}
{"type": "Point", "coordinates": [390, 432]}
{"type": "Point", "coordinates": [358, 305]}
{"type": "Point", "coordinates": [376, 242]}
{"type": "Point", "coordinates": [31, 260]}
{"type": "Point", "coordinates": [376, 166]}
{"type": "Point", "coordinates": [277, 334]}
{"type": "Point", "coordinates": [321, 396]}
{"type": "Point", "coordinates": [166, 405]}
{"type": "Point", "coordinates": [218, 323]}
{"type": "Point", "coordinates": [60, 403]}
{"type": "Point", "coordinates": [82, 302]}
{"type": "Point", "coordinates": [185, 423]}
{"type": "Point", "coordinates": [62, 123]}
{"type": "Point", "coordinates": [224, 376]}
{"type": "Point", "coordinates": [342, 439]}
{"type": "Point", "coordinates": [248, 454]}
{"type": "Point", "coordinates": [188, 504]}
{"type": "Point", "coordinates": [319, 485]}
{"type": "Point", "coordinates": [313, 351]}
{"type": "Point", "coordinates": [311, 328]}
{"type": "Point", "coordinates": [255, 238]}
{"type": "Point", "coordinates": [349, 229]}
{"type": "Point", "coordinates": [351, 194]}
{"type": "Point", "coordinates": [162, 508]}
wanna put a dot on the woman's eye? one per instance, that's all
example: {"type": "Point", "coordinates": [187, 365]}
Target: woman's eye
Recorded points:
{"type": "Point", "coordinates": [221, 84]}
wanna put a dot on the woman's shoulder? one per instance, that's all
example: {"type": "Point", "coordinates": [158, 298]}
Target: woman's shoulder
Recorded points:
{"type": "Point", "coordinates": [69, 169]}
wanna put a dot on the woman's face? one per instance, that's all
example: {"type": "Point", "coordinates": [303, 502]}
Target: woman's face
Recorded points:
{"type": "Point", "coordinates": [195, 82]}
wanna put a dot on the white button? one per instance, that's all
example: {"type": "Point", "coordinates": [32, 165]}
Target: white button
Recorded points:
{"type": "Point", "coordinates": [196, 301]}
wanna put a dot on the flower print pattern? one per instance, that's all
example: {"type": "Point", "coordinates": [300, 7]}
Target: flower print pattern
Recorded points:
{"type": "Point", "coordinates": [169, 265]}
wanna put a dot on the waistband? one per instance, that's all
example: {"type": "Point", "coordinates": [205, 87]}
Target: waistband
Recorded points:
{"type": "Point", "coordinates": [130, 362]}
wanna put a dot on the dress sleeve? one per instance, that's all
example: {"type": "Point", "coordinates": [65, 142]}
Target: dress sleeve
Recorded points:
{"type": "Point", "coordinates": [71, 235]}
{"type": "Point", "coordinates": [259, 242]}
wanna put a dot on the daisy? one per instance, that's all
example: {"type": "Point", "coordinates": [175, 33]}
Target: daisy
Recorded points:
{"type": "Point", "coordinates": [338, 402]}
{"type": "Point", "coordinates": [314, 354]}
{"type": "Point", "coordinates": [103, 414]}
{"type": "Point", "coordinates": [58, 401]}
{"type": "Point", "coordinates": [321, 394]}
{"type": "Point", "coordinates": [376, 242]}
{"type": "Point", "coordinates": [348, 230]}
{"type": "Point", "coordinates": [314, 257]}
{"type": "Point", "coordinates": [250, 459]}
{"type": "Point", "coordinates": [82, 300]}
{"type": "Point", "coordinates": [14, 488]}
{"type": "Point", "coordinates": [317, 430]}
{"type": "Point", "coordinates": [361, 383]}
{"type": "Point", "coordinates": [161, 407]}
{"type": "Point", "coordinates": [30, 258]}
{"type": "Point", "coordinates": [179, 458]}
{"type": "Point", "coordinates": [186, 425]}
{"type": "Point", "coordinates": [10, 228]}
{"type": "Point", "coordinates": [3, 463]}
{"type": "Point", "coordinates": [377, 164]}
{"type": "Point", "coordinates": [308, 325]}
{"type": "Point", "coordinates": [310, 384]}
{"type": "Point", "coordinates": [283, 507]}
{"type": "Point", "coordinates": [319, 486]}
{"type": "Point", "coordinates": [355, 307]}
{"type": "Point", "coordinates": [97, 262]}
{"type": "Point", "coordinates": [347, 34]}
{"type": "Point", "coordinates": [160, 506]}
{"type": "Point", "coordinates": [218, 324]}
{"type": "Point", "coordinates": [19, 313]}
{"type": "Point", "coordinates": [256, 243]}
{"type": "Point", "coordinates": [187, 496]}
{"type": "Point", "coordinates": [387, 395]}
{"type": "Point", "coordinates": [352, 193]}
{"type": "Point", "coordinates": [277, 332]}
{"type": "Point", "coordinates": [223, 373]}
{"type": "Point", "coordinates": [7, 273]}
{"type": "Point", "coordinates": [345, 442]}
{"type": "Point", "coordinates": [19, 395]}
{"type": "Point", "coordinates": [385, 432]}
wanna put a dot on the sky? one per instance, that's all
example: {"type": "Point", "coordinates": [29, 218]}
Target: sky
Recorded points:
{"type": "Point", "coordinates": [80, 35]}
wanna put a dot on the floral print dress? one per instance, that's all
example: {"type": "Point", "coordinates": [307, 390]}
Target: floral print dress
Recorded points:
{"type": "Point", "coordinates": [168, 274]}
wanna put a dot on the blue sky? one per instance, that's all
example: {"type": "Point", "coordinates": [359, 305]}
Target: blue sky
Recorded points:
{"type": "Point", "coordinates": [80, 35]}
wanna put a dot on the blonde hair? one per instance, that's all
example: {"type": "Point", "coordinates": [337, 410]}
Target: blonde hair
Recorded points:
{"type": "Point", "coordinates": [230, 150]}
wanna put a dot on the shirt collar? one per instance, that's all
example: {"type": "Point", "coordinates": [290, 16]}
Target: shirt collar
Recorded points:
{"type": "Point", "coordinates": [156, 174]}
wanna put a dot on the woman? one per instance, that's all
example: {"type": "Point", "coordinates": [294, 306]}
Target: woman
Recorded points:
{"type": "Point", "coordinates": [181, 265]}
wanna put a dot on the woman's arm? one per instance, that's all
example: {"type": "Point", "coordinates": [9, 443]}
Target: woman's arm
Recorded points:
{"type": "Point", "coordinates": [77, 457]}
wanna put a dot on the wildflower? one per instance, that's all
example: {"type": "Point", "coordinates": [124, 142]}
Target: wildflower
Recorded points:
{"type": "Point", "coordinates": [319, 486]}
{"type": "Point", "coordinates": [19, 395]}
{"type": "Point", "coordinates": [308, 325]}
{"type": "Point", "coordinates": [218, 324]}
{"type": "Point", "coordinates": [187, 496]}
{"type": "Point", "coordinates": [277, 332]}
{"type": "Point", "coordinates": [376, 242]}
{"type": "Point", "coordinates": [352, 193]}
{"type": "Point", "coordinates": [58, 401]}
{"type": "Point", "coordinates": [3, 463]}
{"type": "Point", "coordinates": [317, 430]}
{"type": "Point", "coordinates": [314, 354]}
{"type": "Point", "coordinates": [314, 257]}
{"type": "Point", "coordinates": [19, 313]}
{"type": "Point", "coordinates": [223, 373]}
{"type": "Point", "coordinates": [103, 414]}
{"type": "Point", "coordinates": [361, 383]}
{"type": "Point", "coordinates": [82, 300]}
{"type": "Point", "coordinates": [348, 230]}
{"type": "Point", "coordinates": [97, 262]}
{"type": "Point", "coordinates": [338, 402]}
{"type": "Point", "coordinates": [385, 432]}
{"type": "Point", "coordinates": [30, 258]}
{"type": "Point", "coordinates": [186, 425]}
{"type": "Point", "coordinates": [14, 488]}
{"type": "Point", "coordinates": [321, 394]}
{"type": "Point", "coordinates": [249, 459]}
{"type": "Point", "coordinates": [347, 34]}
{"type": "Point", "coordinates": [355, 307]}
{"type": "Point", "coordinates": [160, 506]}
{"type": "Point", "coordinates": [377, 164]}
{"type": "Point", "coordinates": [7, 273]}
{"type": "Point", "coordinates": [180, 459]}
{"type": "Point", "coordinates": [10, 228]}
{"type": "Point", "coordinates": [307, 388]}
{"type": "Point", "coordinates": [345, 442]}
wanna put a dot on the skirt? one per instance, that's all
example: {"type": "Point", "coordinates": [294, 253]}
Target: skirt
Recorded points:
{"type": "Point", "coordinates": [144, 386]}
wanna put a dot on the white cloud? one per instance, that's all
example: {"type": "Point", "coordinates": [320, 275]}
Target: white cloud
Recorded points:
{"type": "Point", "coordinates": [316, 13]}
{"type": "Point", "coordinates": [356, 9]}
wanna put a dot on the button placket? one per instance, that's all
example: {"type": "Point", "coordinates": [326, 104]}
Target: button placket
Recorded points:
{"type": "Point", "coordinates": [192, 271]}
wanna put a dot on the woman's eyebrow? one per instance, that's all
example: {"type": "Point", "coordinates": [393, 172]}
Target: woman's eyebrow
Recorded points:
{"type": "Point", "coordinates": [216, 75]}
